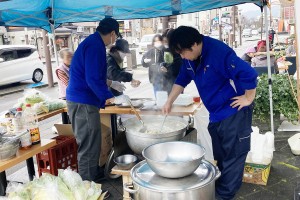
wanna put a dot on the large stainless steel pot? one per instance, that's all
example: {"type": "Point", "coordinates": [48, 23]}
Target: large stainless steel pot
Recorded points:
{"type": "Point", "coordinates": [137, 141]}
{"type": "Point", "coordinates": [148, 186]}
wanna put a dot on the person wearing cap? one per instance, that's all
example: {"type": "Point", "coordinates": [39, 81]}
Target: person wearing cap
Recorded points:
{"type": "Point", "coordinates": [87, 92]}
{"type": "Point", "coordinates": [260, 57]}
{"type": "Point", "coordinates": [249, 54]}
{"type": "Point", "coordinates": [115, 70]}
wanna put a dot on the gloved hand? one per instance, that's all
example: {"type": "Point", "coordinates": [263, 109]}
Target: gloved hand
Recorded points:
{"type": "Point", "coordinates": [117, 86]}
{"type": "Point", "coordinates": [163, 64]}
{"type": "Point", "coordinates": [147, 60]}
{"type": "Point", "coordinates": [121, 99]}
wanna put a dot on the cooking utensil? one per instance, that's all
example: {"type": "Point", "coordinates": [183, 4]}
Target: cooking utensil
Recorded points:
{"type": "Point", "coordinates": [148, 186]}
{"type": "Point", "coordinates": [174, 159]}
{"type": "Point", "coordinates": [144, 128]}
{"type": "Point", "coordinates": [175, 128]}
{"type": "Point", "coordinates": [162, 125]}
{"type": "Point", "coordinates": [125, 161]}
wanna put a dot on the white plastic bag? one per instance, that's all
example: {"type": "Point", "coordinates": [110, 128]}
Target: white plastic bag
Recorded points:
{"type": "Point", "coordinates": [203, 137]}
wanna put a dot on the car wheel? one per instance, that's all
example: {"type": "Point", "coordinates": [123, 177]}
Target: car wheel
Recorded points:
{"type": "Point", "coordinates": [37, 75]}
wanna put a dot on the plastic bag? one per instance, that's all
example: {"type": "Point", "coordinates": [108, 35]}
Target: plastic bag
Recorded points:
{"type": "Point", "coordinates": [55, 104]}
{"type": "Point", "coordinates": [33, 96]}
{"type": "Point", "coordinates": [41, 107]}
{"type": "Point", "coordinates": [203, 136]}
{"type": "Point", "coordinates": [17, 191]}
{"type": "Point", "coordinates": [49, 187]}
{"type": "Point", "coordinates": [74, 182]}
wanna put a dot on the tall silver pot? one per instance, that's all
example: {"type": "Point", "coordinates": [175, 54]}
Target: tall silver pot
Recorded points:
{"type": "Point", "coordinates": [148, 186]}
{"type": "Point", "coordinates": [137, 141]}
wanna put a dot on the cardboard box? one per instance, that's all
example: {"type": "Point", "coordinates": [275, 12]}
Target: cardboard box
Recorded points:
{"type": "Point", "coordinates": [106, 136]}
{"type": "Point", "coordinates": [256, 173]}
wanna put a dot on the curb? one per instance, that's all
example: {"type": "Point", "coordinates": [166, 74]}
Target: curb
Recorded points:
{"type": "Point", "coordinates": [22, 89]}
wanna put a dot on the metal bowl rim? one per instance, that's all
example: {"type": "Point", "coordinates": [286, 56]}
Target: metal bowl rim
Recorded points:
{"type": "Point", "coordinates": [133, 156]}
{"type": "Point", "coordinates": [173, 162]}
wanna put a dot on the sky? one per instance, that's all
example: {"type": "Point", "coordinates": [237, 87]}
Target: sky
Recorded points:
{"type": "Point", "coordinates": [252, 10]}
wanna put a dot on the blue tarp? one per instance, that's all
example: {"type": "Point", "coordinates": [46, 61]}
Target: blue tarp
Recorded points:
{"type": "Point", "coordinates": [41, 13]}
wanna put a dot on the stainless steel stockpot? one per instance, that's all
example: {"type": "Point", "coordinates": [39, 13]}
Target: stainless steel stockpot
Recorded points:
{"type": "Point", "coordinates": [137, 141]}
{"type": "Point", "coordinates": [148, 186]}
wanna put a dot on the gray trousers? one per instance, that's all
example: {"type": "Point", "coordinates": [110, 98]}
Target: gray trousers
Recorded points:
{"type": "Point", "coordinates": [86, 126]}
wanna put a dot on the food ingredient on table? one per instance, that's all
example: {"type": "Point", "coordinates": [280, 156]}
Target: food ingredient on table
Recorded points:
{"type": "Point", "coordinates": [68, 185]}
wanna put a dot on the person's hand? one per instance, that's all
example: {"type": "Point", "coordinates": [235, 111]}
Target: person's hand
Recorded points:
{"type": "Point", "coordinates": [163, 69]}
{"type": "Point", "coordinates": [166, 109]}
{"type": "Point", "coordinates": [240, 102]}
{"type": "Point", "coordinates": [121, 99]}
{"type": "Point", "coordinates": [147, 60]}
{"type": "Point", "coordinates": [135, 83]}
{"type": "Point", "coordinates": [117, 86]}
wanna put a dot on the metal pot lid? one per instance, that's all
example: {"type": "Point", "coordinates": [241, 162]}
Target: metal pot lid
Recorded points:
{"type": "Point", "coordinates": [143, 176]}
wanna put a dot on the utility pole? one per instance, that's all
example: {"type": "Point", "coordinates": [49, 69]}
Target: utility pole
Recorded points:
{"type": "Point", "coordinates": [48, 58]}
{"type": "Point", "coordinates": [165, 23]}
{"type": "Point", "coordinates": [233, 27]}
{"type": "Point", "coordinates": [220, 25]}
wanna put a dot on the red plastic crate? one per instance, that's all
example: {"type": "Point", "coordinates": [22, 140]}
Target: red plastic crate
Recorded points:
{"type": "Point", "coordinates": [61, 156]}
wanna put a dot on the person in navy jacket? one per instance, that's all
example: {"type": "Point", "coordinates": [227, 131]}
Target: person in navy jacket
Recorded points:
{"type": "Point", "coordinates": [227, 86]}
{"type": "Point", "coordinates": [87, 92]}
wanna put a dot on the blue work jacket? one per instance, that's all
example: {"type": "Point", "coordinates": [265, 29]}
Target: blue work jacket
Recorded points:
{"type": "Point", "coordinates": [219, 69]}
{"type": "Point", "coordinates": [88, 73]}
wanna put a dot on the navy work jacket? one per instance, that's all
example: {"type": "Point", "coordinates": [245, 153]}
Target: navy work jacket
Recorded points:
{"type": "Point", "coordinates": [220, 76]}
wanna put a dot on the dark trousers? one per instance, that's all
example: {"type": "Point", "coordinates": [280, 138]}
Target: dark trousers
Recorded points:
{"type": "Point", "coordinates": [231, 143]}
{"type": "Point", "coordinates": [85, 121]}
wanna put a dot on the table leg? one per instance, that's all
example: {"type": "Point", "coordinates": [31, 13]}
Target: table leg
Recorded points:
{"type": "Point", "coordinates": [3, 183]}
{"type": "Point", "coordinates": [65, 118]}
{"type": "Point", "coordinates": [114, 126]}
{"type": "Point", "coordinates": [30, 168]}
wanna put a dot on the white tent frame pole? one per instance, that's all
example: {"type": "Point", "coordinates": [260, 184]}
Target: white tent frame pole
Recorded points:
{"type": "Point", "coordinates": [297, 31]}
{"type": "Point", "coordinates": [53, 34]}
{"type": "Point", "coordinates": [269, 67]}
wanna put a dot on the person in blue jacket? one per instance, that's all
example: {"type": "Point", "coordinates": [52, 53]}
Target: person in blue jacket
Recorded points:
{"type": "Point", "coordinates": [87, 92]}
{"type": "Point", "coordinates": [227, 87]}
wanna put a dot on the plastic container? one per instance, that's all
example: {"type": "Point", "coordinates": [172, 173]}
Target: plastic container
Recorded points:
{"type": "Point", "coordinates": [26, 142]}
{"type": "Point", "coordinates": [8, 148]}
{"type": "Point", "coordinates": [61, 156]}
{"type": "Point", "coordinates": [31, 124]}
{"type": "Point", "coordinates": [294, 143]}
{"type": "Point", "coordinates": [17, 121]}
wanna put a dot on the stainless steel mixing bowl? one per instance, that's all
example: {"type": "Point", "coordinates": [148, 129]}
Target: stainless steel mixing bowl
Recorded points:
{"type": "Point", "coordinates": [174, 159]}
{"type": "Point", "coordinates": [125, 161]}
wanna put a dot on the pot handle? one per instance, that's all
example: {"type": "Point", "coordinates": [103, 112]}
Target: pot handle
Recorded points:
{"type": "Point", "coordinates": [190, 122]}
{"type": "Point", "coordinates": [218, 173]}
{"type": "Point", "coordinates": [127, 189]}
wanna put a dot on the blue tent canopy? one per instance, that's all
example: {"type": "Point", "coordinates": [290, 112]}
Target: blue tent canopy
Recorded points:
{"type": "Point", "coordinates": [43, 13]}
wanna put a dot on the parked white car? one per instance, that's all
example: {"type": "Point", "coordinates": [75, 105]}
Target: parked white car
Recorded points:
{"type": "Point", "coordinates": [254, 32]}
{"type": "Point", "coordinates": [19, 63]}
{"type": "Point", "coordinates": [247, 33]}
{"type": "Point", "coordinates": [146, 41]}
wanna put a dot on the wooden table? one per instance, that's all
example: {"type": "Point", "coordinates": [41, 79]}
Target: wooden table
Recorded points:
{"type": "Point", "coordinates": [176, 110]}
{"type": "Point", "coordinates": [21, 156]}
